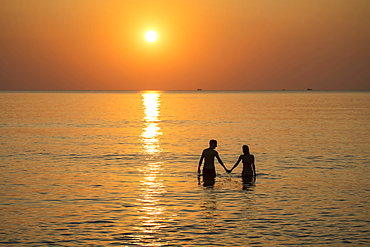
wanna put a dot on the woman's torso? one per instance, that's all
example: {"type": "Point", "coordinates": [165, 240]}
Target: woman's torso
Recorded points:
{"type": "Point", "coordinates": [247, 160]}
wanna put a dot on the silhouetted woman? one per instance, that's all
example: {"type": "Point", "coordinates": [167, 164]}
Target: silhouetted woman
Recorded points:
{"type": "Point", "coordinates": [249, 169]}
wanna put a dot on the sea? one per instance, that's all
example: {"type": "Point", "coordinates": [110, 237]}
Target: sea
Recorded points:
{"type": "Point", "coordinates": [119, 168]}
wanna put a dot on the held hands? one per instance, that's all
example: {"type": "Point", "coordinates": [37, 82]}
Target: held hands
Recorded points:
{"type": "Point", "coordinates": [227, 170]}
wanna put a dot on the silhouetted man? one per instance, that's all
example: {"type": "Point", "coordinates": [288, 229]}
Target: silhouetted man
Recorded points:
{"type": "Point", "coordinates": [209, 155]}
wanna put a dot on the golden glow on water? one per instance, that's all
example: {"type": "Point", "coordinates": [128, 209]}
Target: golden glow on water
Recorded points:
{"type": "Point", "coordinates": [97, 164]}
{"type": "Point", "coordinates": [151, 129]}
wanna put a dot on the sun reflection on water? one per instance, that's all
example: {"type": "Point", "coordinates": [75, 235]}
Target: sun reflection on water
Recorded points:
{"type": "Point", "coordinates": [152, 189]}
{"type": "Point", "coordinates": [151, 211]}
{"type": "Point", "coordinates": [151, 130]}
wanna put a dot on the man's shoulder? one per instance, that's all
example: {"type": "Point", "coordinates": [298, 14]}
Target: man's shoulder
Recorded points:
{"type": "Point", "coordinates": [210, 151]}
{"type": "Point", "coordinates": [214, 152]}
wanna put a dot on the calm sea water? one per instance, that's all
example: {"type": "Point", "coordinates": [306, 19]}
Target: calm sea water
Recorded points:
{"type": "Point", "coordinates": [119, 168]}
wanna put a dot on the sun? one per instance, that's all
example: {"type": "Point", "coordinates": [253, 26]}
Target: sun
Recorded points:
{"type": "Point", "coordinates": [151, 36]}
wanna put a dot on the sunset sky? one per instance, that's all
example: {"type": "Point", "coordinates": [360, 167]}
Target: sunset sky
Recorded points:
{"type": "Point", "coordinates": [208, 44]}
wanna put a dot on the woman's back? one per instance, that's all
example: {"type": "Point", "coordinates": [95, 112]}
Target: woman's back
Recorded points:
{"type": "Point", "coordinates": [248, 162]}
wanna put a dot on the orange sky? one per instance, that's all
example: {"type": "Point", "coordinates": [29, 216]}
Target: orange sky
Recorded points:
{"type": "Point", "coordinates": [208, 44]}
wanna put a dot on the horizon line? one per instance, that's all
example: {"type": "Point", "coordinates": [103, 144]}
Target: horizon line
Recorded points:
{"type": "Point", "coordinates": [198, 90]}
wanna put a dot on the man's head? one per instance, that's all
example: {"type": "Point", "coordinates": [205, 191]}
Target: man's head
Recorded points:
{"type": "Point", "coordinates": [212, 143]}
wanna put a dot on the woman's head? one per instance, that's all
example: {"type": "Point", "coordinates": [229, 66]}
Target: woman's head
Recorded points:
{"type": "Point", "coordinates": [245, 149]}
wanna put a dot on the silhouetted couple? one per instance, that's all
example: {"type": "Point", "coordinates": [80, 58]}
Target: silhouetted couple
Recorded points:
{"type": "Point", "coordinates": [209, 155]}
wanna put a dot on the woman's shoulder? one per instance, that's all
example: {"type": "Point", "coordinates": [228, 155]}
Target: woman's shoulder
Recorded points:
{"type": "Point", "coordinates": [247, 156]}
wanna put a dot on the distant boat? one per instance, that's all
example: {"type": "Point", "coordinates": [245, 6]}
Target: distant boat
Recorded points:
{"type": "Point", "coordinates": [199, 89]}
{"type": "Point", "coordinates": [309, 89]}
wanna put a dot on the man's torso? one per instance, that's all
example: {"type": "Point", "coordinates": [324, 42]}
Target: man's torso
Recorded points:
{"type": "Point", "coordinates": [209, 158]}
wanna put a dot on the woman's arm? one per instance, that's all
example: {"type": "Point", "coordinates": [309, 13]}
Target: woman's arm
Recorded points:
{"type": "Point", "coordinates": [253, 167]}
{"type": "Point", "coordinates": [236, 164]}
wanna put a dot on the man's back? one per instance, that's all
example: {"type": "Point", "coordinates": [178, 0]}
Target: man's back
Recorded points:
{"type": "Point", "coordinates": [209, 158]}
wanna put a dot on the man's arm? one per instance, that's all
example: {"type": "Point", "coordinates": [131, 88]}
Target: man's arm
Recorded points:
{"type": "Point", "coordinates": [220, 161]}
{"type": "Point", "coordinates": [200, 161]}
